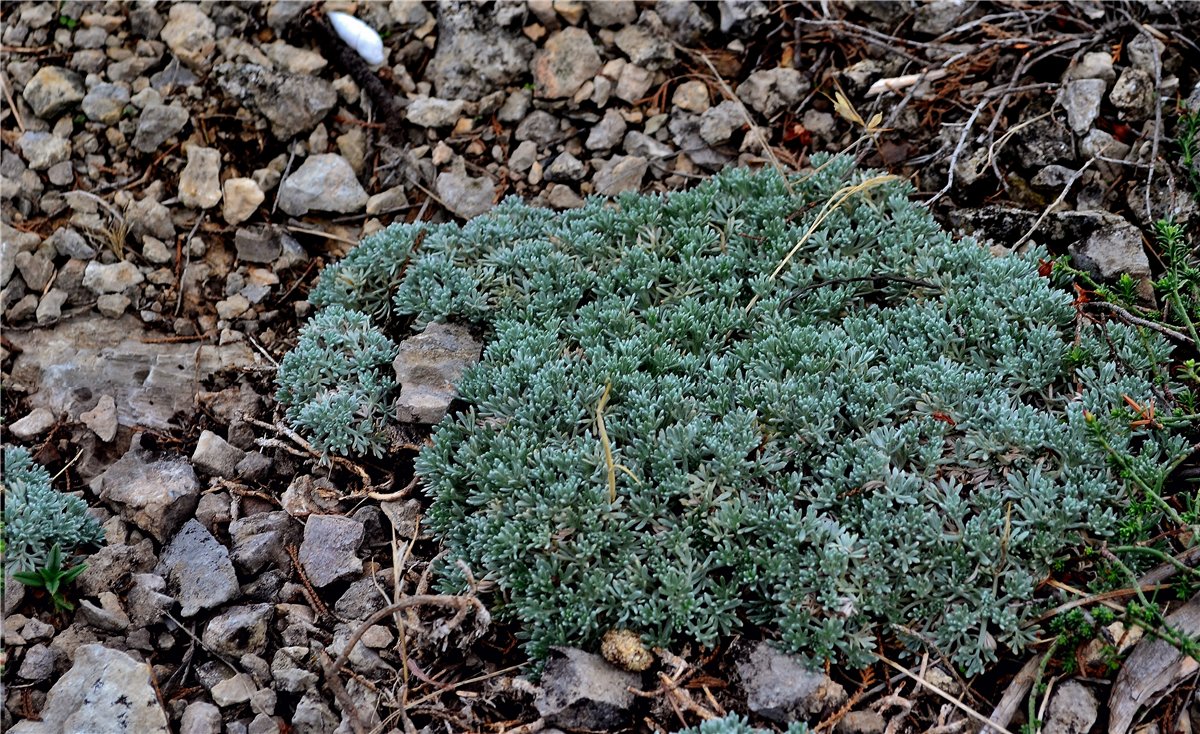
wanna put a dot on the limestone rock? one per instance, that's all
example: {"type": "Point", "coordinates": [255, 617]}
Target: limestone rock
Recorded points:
{"type": "Point", "coordinates": [198, 570]}
{"type": "Point", "coordinates": [156, 494]}
{"type": "Point", "coordinates": [199, 183]}
{"type": "Point", "coordinates": [428, 368]}
{"type": "Point", "coordinates": [565, 62]}
{"type": "Point", "coordinates": [104, 692]}
{"type": "Point", "coordinates": [325, 182]}
{"type": "Point", "coordinates": [52, 91]}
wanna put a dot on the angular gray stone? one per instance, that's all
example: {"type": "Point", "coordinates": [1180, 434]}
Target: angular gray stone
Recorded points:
{"type": "Point", "coordinates": [623, 173]}
{"type": "Point", "coordinates": [200, 717]}
{"type": "Point", "coordinates": [567, 60]}
{"type": "Point", "coordinates": [102, 419]}
{"type": "Point", "coordinates": [606, 13]}
{"type": "Point", "coordinates": [147, 601]}
{"type": "Point", "coordinates": [261, 538]}
{"type": "Point", "coordinates": [779, 688]}
{"type": "Point", "coordinates": [565, 167]}
{"type": "Point", "coordinates": [114, 564]}
{"type": "Point", "coordinates": [580, 690]}
{"type": "Point", "coordinates": [53, 90]}
{"type": "Point", "coordinates": [292, 103]}
{"type": "Point", "coordinates": [606, 133]}
{"type": "Point", "coordinates": [215, 456]}
{"type": "Point", "coordinates": [1081, 99]}
{"type": "Point", "coordinates": [771, 91]}
{"type": "Point", "coordinates": [198, 570]}
{"type": "Point", "coordinates": [634, 83]}
{"type": "Point", "coordinates": [233, 691]}
{"type": "Point", "coordinates": [646, 43]}
{"type": "Point", "coordinates": [104, 692]}
{"type": "Point", "coordinates": [428, 368]}
{"type": "Point", "coordinates": [1072, 710]}
{"type": "Point", "coordinates": [156, 494]}
{"type": "Point", "coordinates": [330, 548]}
{"type": "Point", "coordinates": [69, 243]}
{"type": "Point", "coordinates": [190, 34]}
{"type": "Point", "coordinates": [685, 20]}
{"type": "Point", "coordinates": [36, 269]}
{"type": "Point", "coordinates": [39, 663]}
{"type": "Point", "coordinates": [434, 112]}
{"type": "Point", "coordinates": [540, 126]}
{"type": "Point", "coordinates": [199, 183]}
{"type": "Point", "coordinates": [111, 278]}
{"type": "Point", "coordinates": [467, 196]}
{"type": "Point", "coordinates": [324, 183]}
{"type": "Point", "coordinates": [475, 54]}
{"type": "Point", "coordinates": [105, 103]}
{"type": "Point", "coordinates": [50, 307]}
{"type": "Point", "coordinates": [1112, 249]}
{"type": "Point", "coordinates": [43, 150]}
{"type": "Point", "coordinates": [36, 423]}
{"type": "Point", "coordinates": [718, 124]}
{"type": "Point", "coordinates": [239, 630]}
{"type": "Point", "coordinates": [258, 245]}
{"type": "Point", "coordinates": [157, 123]}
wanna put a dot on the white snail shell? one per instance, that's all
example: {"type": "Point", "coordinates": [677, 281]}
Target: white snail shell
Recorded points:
{"type": "Point", "coordinates": [358, 36]}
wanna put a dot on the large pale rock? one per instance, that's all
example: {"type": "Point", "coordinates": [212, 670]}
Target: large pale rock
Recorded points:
{"type": "Point", "coordinates": [104, 692]}
{"type": "Point", "coordinates": [565, 62]}
{"type": "Point", "coordinates": [292, 103]}
{"type": "Point", "coordinates": [324, 183]}
{"type": "Point", "coordinates": [778, 687]}
{"type": "Point", "coordinates": [190, 34]}
{"type": "Point", "coordinates": [467, 196]}
{"type": "Point", "coordinates": [156, 494]}
{"type": "Point", "coordinates": [69, 365]}
{"type": "Point", "coordinates": [428, 369]}
{"type": "Point", "coordinates": [583, 691]}
{"type": "Point", "coordinates": [198, 570]}
{"type": "Point", "coordinates": [199, 183]}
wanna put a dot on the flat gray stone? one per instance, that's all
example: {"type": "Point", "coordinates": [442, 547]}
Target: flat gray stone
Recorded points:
{"type": "Point", "coordinates": [198, 570]}
{"type": "Point", "coordinates": [156, 494]}
{"type": "Point", "coordinates": [330, 548]}
{"type": "Point", "coordinates": [428, 369]}
{"type": "Point", "coordinates": [580, 690]}
{"type": "Point", "coordinates": [778, 687]}
{"type": "Point", "coordinates": [325, 183]}
{"type": "Point", "coordinates": [104, 692]}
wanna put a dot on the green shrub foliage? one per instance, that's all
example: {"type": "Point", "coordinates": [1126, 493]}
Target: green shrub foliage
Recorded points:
{"type": "Point", "coordinates": [889, 435]}
{"type": "Point", "coordinates": [335, 385]}
{"type": "Point", "coordinates": [37, 517]}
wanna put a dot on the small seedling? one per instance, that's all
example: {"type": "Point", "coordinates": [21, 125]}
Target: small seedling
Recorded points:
{"type": "Point", "coordinates": [51, 578]}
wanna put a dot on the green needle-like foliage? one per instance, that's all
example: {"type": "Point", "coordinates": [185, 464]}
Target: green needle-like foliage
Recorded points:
{"type": "Point", "coordinates": [888, 436]}
{"type": "Point", "coordinates": [37, 518]}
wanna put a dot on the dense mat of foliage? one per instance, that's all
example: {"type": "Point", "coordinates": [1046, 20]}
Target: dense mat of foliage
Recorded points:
{"type": "Point", "coordinates": [37, 517]}
{"type": "Point", "coordinates": [889, 435]}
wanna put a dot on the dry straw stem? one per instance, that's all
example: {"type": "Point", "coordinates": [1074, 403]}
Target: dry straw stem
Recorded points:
{"type": "Point", "coordinates": [839, 197]}
{"type": "Point", "coordinates": [607, 445]}
{"type": "Point", "coordinates": [988, 723]}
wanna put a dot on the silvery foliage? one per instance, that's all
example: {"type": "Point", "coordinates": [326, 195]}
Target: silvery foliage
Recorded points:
{"type": "Point", "coordinates": [37, 517]}
{"type": "Point", "coordinates": [889, 437]}
{"type": "Point", "coordinates": [335, 386]}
